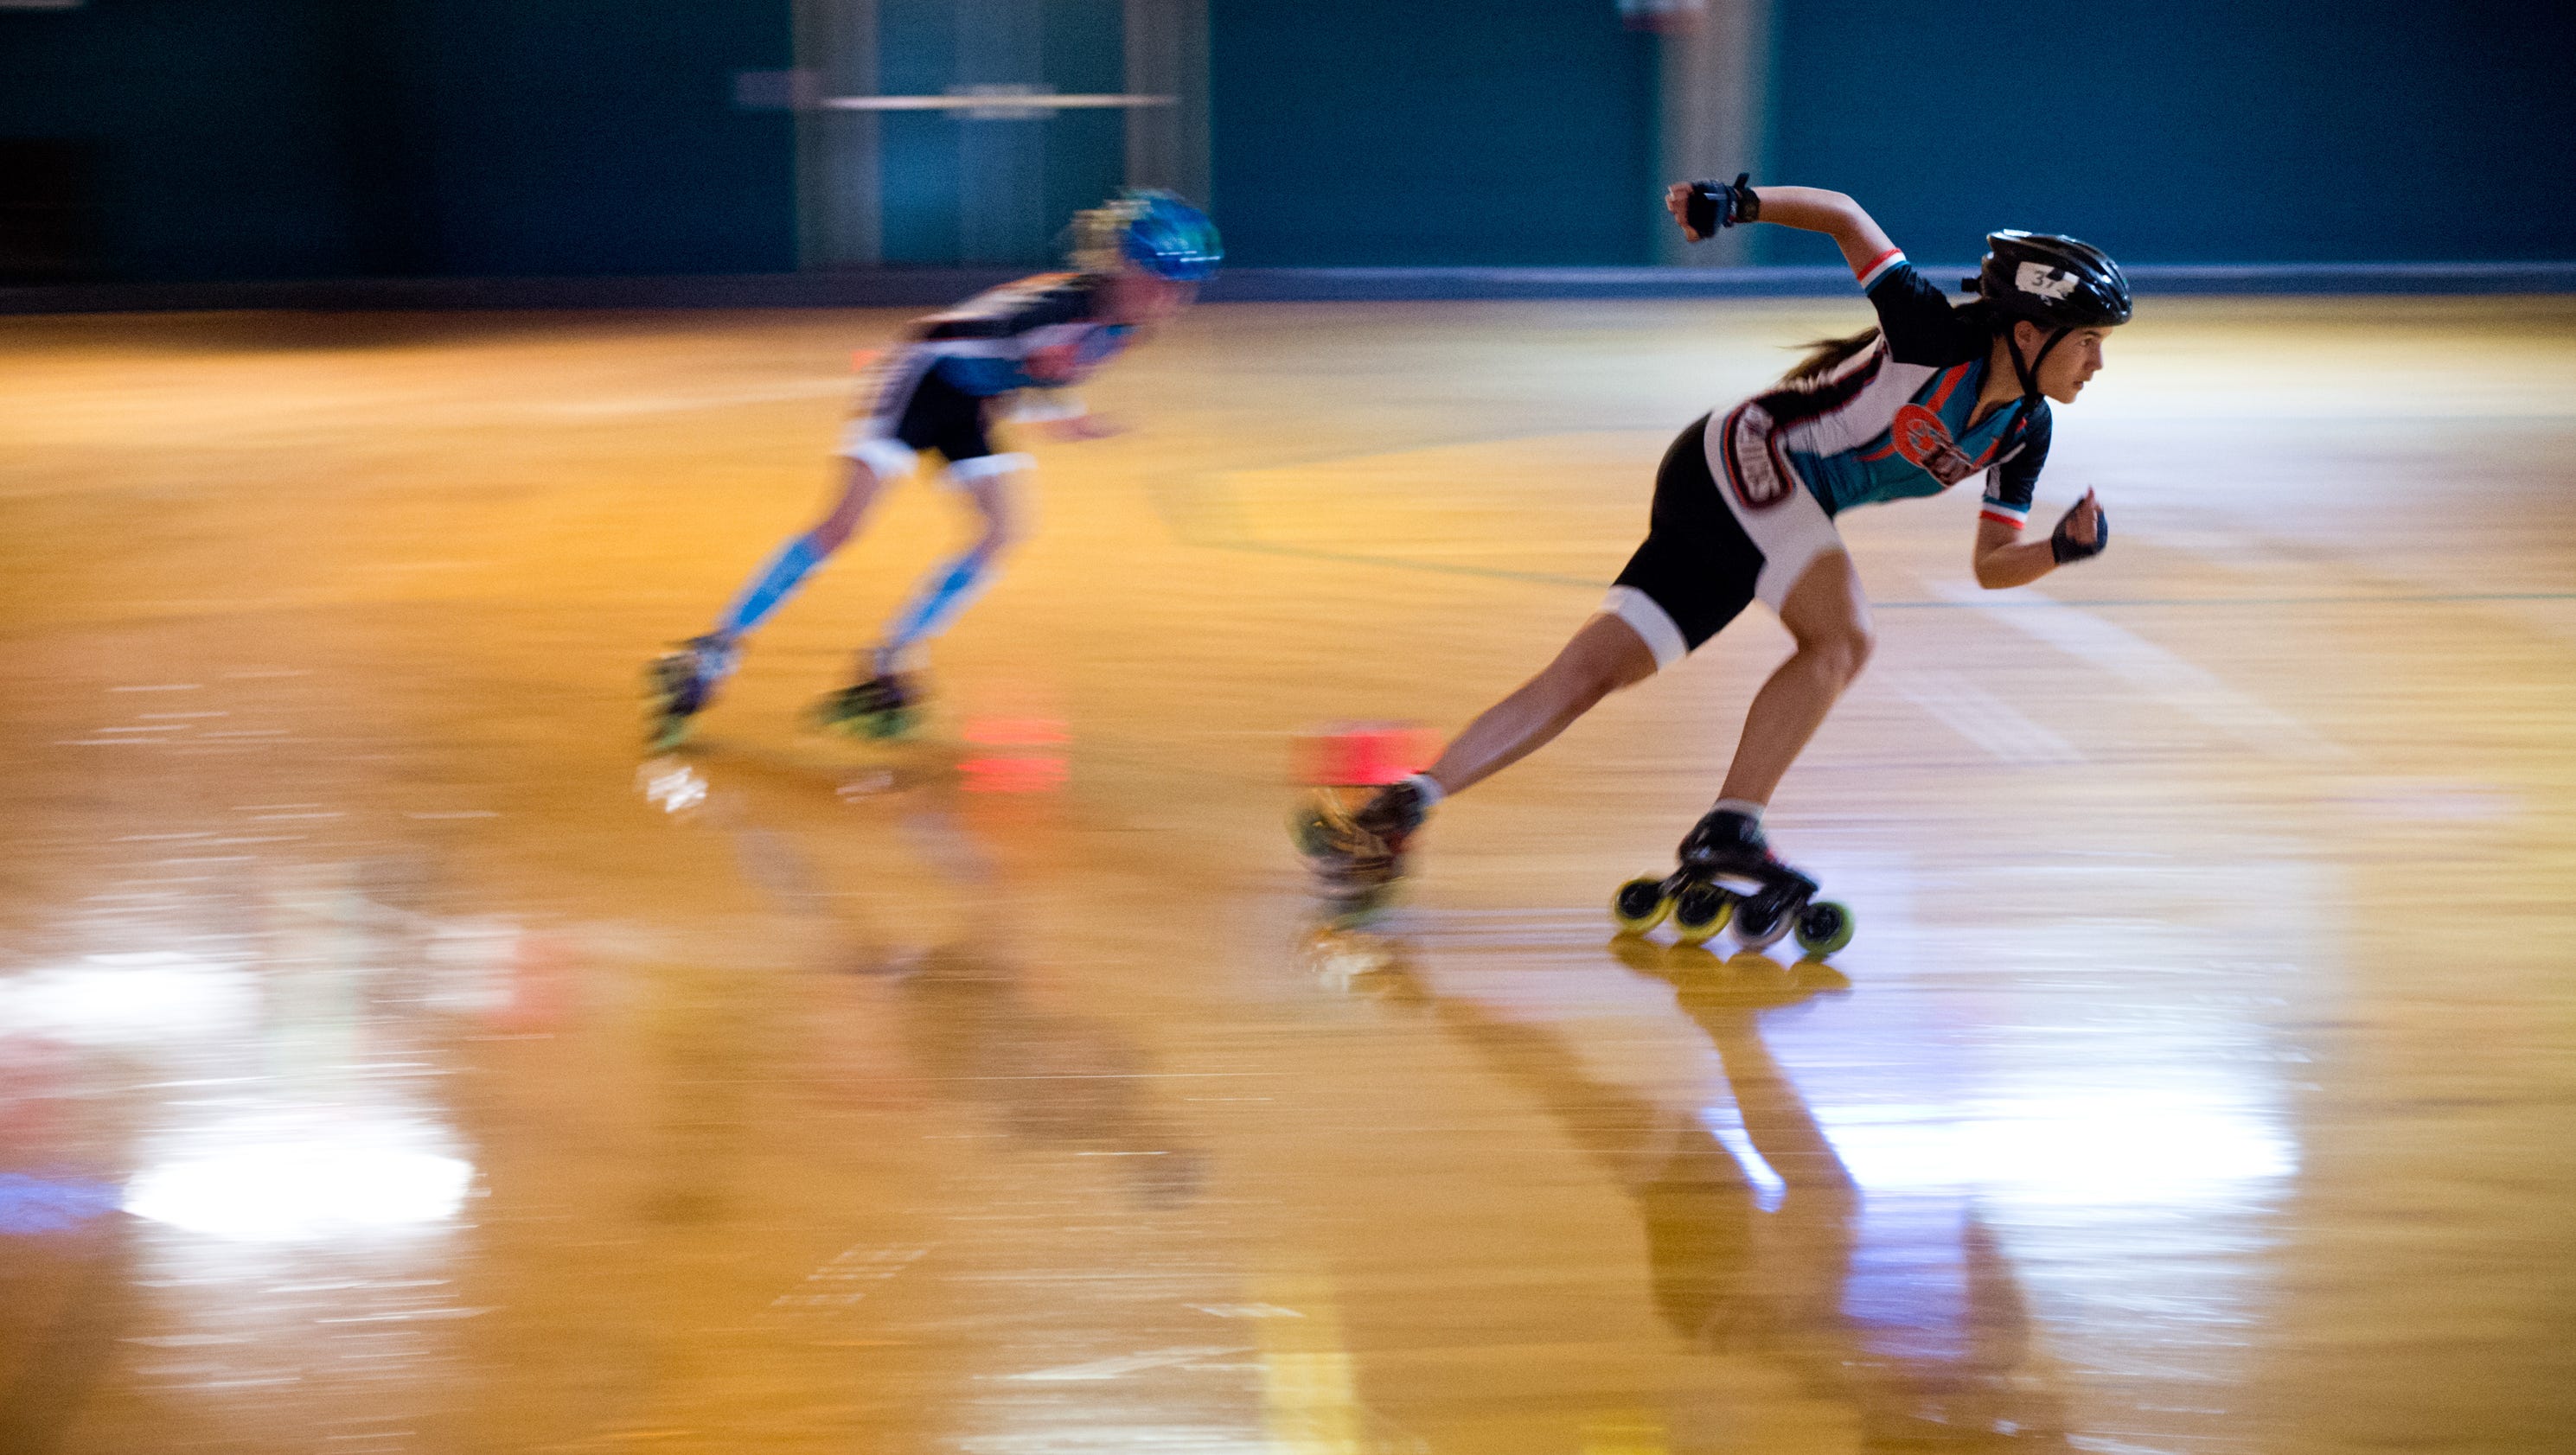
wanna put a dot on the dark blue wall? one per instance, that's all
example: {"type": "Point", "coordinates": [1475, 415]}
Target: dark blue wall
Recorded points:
{"type": "Point", "coordinates": [1396, 132]}
{"type": "Point", "coordinates": [2189, 130]}
{"type": "Point", "coordinates": [307, 138]}
{"type": "Point", "coordinates": [600, 136]}
{"type": "Point", "coordinates": [211, 161]}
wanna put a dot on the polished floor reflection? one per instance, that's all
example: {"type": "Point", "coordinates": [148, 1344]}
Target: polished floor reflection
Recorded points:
{"type": "Point", "coordinates": [393, 1059]}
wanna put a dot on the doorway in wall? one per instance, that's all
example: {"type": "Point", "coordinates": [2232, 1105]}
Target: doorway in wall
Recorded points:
{"type": "Point", "coordinates": [966, 133]}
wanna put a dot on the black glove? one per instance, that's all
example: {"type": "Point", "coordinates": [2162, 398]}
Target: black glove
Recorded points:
{"type": "Point", "coordinates": [2064, 547]}
{"type": "Point", "coordinates": [1714, 205]}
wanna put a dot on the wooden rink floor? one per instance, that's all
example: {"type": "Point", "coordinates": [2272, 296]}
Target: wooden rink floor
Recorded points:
{"type": "Point", "coordinates": [392, 1059]}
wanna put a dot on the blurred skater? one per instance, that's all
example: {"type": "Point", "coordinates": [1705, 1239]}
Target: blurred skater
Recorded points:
{"type": "Point", "coordinates": [1137, 262]}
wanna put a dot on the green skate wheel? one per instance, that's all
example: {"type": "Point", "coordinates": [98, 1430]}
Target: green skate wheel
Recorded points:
{"type": "Point", "coordinates": [1640, 905]}
{"type": "Point", "coordinates": [1824, 927]}
{"type": "Point", "coordinates": [850, 725]}
{"type": "Point", "coordinates": [859, 712]}
{"type": "Point", "coordinates": [1700, 911]}
{"type": "Point", "coordinates": [670, 704]}
{"type": "Point", "coordinates": [1310, 831]}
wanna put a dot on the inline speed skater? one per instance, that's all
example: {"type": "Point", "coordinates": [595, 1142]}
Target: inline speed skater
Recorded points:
{"type": "Point", "coordinates": [1744, 507]}
{"type": "Point", "coordinates": [1137, 262]}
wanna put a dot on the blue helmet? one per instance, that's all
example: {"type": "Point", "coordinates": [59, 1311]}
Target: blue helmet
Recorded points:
{"type": "Point", "coordinates": [1154, 232]}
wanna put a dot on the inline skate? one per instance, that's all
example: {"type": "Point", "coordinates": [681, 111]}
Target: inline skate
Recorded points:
{"type": "Point", "coordinates": [680, 683]}
{"type": "Point", "coordinates": [1358, 855]}
{"type": "Point", "coordinates": [887, 705]}
{"type": "Point", "coordinates": [1729, 878]}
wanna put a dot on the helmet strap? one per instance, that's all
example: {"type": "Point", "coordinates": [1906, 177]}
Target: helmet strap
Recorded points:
{"type": "Point", "coordinates": [2029, 369]}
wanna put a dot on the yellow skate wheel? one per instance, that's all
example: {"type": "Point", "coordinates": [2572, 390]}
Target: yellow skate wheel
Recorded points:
{"type": "Point", "coordinates": [1699, 912]}
{"type": "Point", "coordinates": [1640, 905]}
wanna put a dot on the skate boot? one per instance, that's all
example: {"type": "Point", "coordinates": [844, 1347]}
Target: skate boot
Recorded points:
{"type": "Point", "coordinates": [887, 705]}
{"type": "Point", "coordinates": [680, 683]}
{"type": "Point", "coordinates": [1729, 876]}
{"type": "Point", "coordinates": [1358, 856]}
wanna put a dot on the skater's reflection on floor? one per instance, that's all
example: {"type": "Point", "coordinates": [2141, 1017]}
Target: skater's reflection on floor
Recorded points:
{"type": "Point", "coordinates": [1049, 1077]}
{"type": "Point", "coordinates": [1900, 1307]}
{"type": "Point", "coordinates": [964, 1009]}
{"type": "Point", "coordinates": [1046, 1078]}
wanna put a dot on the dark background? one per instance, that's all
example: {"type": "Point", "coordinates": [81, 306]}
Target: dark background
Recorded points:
{"type": "Point", "coordinates": [330, 138]}
{"type": "Point", "coordinates": [173, 140]}
{"type": "Point", "coordinates": [2188, 131]}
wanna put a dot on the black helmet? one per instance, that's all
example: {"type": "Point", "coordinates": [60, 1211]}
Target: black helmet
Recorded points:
{"type": "Point", "coordinates": [2053, 281]}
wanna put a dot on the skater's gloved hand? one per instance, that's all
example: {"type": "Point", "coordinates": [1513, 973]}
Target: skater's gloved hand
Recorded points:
{"type": "Point", "coordinates": [2081, 532]}
{"type": "Point", "coordinates": [1704, 207]}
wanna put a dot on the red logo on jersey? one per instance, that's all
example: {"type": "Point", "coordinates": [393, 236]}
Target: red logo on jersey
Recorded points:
{"type": "Point", "coordinates": [1759, 478]}
{"type": "Point", "coordinates": [1919, 435]}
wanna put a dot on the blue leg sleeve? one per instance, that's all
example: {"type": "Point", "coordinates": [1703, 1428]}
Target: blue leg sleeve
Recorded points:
{"type": "Point", "coordinates": [950, 588]}
{"type": "Point", "coordinates": [774, 584]}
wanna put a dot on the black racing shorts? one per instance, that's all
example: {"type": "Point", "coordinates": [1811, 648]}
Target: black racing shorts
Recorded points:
{"type": "Point", "coordinates": [1697, 563]}
{"type": "Point", "coordinates": [913, 408]}
{"type": "Point", "coordinates": [940, 416]}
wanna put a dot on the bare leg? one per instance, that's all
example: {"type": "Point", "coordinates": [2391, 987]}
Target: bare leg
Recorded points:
{"type": "Point", "coordinates": [953, 584]}
{"type": "Point", "coordinates": [1002, 516]}
{"type": "Point", "coordinates": [859, 487]}
{"type": "Point", "coordinates": [1605, 655]}
{"type": "Point", "coordinates": [786, 570]}
{"type": "Point", "coordinates": [1829, 617]}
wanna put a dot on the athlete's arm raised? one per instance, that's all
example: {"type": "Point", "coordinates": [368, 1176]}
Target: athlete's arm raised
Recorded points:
{"type": "Point", "coordinates": [1703, 207]}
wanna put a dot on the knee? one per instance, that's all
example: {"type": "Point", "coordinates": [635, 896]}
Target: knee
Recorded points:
{"type": "Point", "coordinates": [1001, 532]}
{"type": "Point", "coordinates": [1005, 524]}
{"type": "Point", "coordinates": [1845, 651]}
{"type": "Point", "coordinates": [837, 525]}
{"type": "Point", "coordinates": [832, 532]}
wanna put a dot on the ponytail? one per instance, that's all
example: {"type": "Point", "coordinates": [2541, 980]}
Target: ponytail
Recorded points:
{"type": "Point", "coordinates": [1826, 355]}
